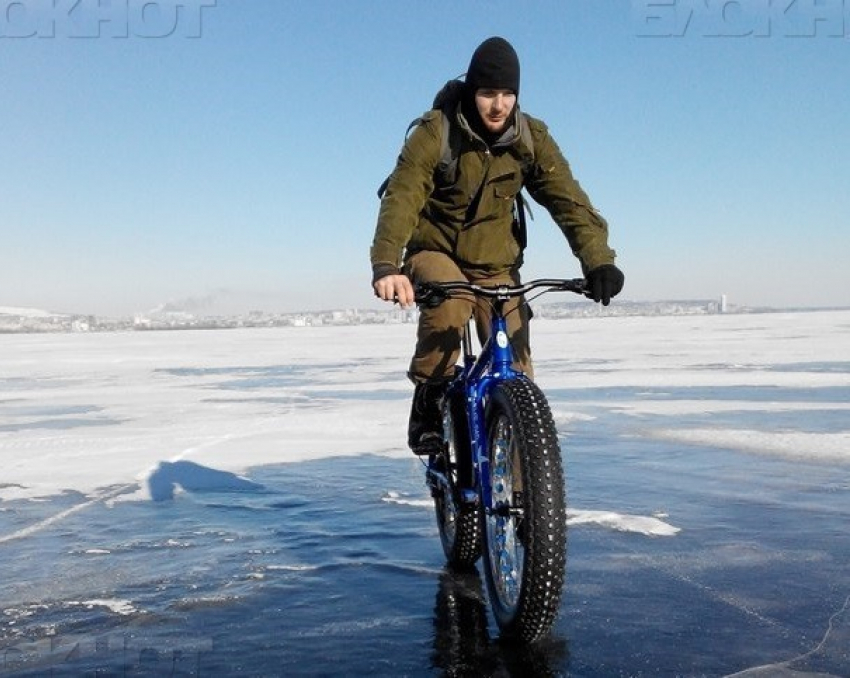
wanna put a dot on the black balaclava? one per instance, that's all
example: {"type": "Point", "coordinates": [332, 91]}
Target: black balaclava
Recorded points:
{"type": "Point", "coordinates": [494, 65]}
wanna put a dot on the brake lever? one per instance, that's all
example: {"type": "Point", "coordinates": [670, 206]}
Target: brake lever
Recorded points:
{"type": "Point", "coordinates": [429, 296]}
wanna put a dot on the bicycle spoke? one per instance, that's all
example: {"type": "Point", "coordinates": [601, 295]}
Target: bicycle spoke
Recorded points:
{"type": "Point", "coordinates": [508, 552]}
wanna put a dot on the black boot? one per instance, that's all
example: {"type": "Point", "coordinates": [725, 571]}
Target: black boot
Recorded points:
{"type": "Point", "coordinates": [425, 430]}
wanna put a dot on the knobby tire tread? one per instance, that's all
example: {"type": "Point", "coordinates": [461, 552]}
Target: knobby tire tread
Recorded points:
{"type": "Point", "coordinates": [544, 501]}
{"type": "Point", "coordinates": [464, 550]}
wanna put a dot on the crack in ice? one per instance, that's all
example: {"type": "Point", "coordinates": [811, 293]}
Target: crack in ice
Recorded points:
{"type": "Point", "coordinates": [830, 627]}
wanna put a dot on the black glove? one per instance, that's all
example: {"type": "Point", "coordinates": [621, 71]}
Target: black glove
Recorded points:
{"type": "Point", "coordinates": [605, 282]}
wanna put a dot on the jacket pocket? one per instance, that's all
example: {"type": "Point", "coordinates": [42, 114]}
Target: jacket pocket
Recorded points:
{"type": "Point", "coordinates": [506, 185]}
{"type": "Point", "coordinates": [505, 192]}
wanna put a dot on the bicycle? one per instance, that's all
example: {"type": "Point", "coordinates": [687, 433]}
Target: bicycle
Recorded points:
{"type": "Point", "coordinates": [498, 483]}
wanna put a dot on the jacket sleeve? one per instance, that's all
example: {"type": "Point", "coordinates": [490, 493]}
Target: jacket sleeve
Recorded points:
{"type": "Point", "coordinates": [409, 187]}
{"type": "Point", "coordinates": [551, 183]}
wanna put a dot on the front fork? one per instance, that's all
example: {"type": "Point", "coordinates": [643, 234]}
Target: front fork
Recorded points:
{"type": "Point", "coordinates": [493, 366]}
{"type": "Point", "coordinates": [476, 378]}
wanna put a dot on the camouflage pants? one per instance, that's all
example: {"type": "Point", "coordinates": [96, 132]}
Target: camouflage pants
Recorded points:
{"type": "Point", "coordinates": [438, 338]}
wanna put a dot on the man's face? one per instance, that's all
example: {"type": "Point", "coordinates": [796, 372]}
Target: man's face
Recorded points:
{"type": "Point", "coordinates": [495, 107]}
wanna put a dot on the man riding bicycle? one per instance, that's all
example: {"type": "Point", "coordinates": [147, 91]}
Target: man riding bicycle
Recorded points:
{"type": "Point", "coordinates": [450, 215]}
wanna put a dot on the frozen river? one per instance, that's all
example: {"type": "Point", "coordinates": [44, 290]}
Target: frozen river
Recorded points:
{"type": "Point", "coordinates": [240, 502]}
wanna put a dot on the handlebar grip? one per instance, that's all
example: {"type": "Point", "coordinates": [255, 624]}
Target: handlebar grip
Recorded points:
{"type": "Point", "coordinates": [429, 295]}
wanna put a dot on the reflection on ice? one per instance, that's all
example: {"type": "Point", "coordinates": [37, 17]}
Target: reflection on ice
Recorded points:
{"type": "Point", "coordinates": [463, 640]}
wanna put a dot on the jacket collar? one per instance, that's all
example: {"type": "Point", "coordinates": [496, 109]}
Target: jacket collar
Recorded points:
{"type": "Point", "coordinates": [510, 137]}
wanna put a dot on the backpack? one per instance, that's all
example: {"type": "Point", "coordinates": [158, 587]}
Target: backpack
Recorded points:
{"type": "Point", "coordinates": [445, 102]}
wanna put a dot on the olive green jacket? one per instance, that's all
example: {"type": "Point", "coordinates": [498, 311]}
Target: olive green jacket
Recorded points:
{"type": "Point", "coordinates": [470, 216]}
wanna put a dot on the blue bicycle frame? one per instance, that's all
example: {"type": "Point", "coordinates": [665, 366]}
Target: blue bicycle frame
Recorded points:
{"type": "Point", "coordinates": [493, 364]}
{"type": "Point", "coordinates": [500, 469]}
{"type": "Point", "coordinates": [479, 374]}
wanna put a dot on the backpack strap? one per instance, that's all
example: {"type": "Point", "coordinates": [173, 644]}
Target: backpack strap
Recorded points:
{"type": "Point", "coordinates": [522, 208]}
{"type": "Point", "coordinates": [449, 149]}
{"type": "Point", "coordinates": [527, 140]}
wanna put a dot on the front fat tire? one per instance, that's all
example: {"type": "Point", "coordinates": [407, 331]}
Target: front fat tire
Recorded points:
{"type": "Point", "coordinates": [525, 552]}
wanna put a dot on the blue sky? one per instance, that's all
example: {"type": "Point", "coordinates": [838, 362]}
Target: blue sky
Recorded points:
{"type": "Point", "coordinates": [240, 167]}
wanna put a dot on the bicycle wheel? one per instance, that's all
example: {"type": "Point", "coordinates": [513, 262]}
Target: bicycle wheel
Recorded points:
{"type": "Point", "coordinates": [460, 528]}
{"type": "Point", "coordinates": [525, 529]}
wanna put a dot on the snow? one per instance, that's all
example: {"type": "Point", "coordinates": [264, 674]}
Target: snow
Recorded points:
{"type": "Point", "coordinates": [120, 607]}
{"type": "Point", "coordinates": [649, 526]}
{"type": "Point", "coordinates": [142, 415]}
{"type": "Point", "coordinates": [824, 447]}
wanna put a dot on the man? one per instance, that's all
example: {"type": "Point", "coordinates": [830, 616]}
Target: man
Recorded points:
{"type": "Point", "coordinates": [442, 221]}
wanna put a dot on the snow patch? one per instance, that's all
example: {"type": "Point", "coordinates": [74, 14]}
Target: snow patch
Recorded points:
{"type": "Point", "coordinates": [795, 445]}
{"type": "Point", "coordinates": [393, 497]}
{"type": "Point", "coordinates": [118, 606]}
{"type": "Point", "coordinates": [645, 525]}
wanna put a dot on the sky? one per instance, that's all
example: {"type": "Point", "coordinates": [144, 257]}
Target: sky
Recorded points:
{"type": "Point", "coordinates": [224, 155]}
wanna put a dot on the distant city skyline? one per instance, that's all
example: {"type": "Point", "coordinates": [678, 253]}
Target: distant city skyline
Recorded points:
{"type": "Point", "coordinates": [232, 160]}
{"type": "Point", "coordinates": [23, 320]}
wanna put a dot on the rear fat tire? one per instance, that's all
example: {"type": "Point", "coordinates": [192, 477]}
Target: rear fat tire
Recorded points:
{"type": "Point", "coordinates": [525, 549]}
{"type": "Point", "coordinates": [458, 522]}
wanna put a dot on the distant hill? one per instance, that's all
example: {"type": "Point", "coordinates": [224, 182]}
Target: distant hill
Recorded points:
{"type": "Point", "coordinates": [27, 312]}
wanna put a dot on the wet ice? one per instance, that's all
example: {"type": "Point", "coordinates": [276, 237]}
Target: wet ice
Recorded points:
{"type": "Point", "coordinates": [708, 473]}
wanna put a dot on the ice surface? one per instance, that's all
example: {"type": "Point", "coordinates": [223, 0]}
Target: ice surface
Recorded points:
{"type": "Point", "coordinates": [238, 485]}
{"type": "Point", "coordinates": [827, 447]}
{"type": "Point", "coordinates": [100, 413]}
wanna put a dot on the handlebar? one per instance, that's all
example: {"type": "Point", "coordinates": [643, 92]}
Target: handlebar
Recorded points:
{"type": "Point", "coordinates": [434, 293]}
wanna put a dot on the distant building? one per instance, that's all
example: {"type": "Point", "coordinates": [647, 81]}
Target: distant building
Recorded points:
{"type": "Point", "coordinates": [723, 306]}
